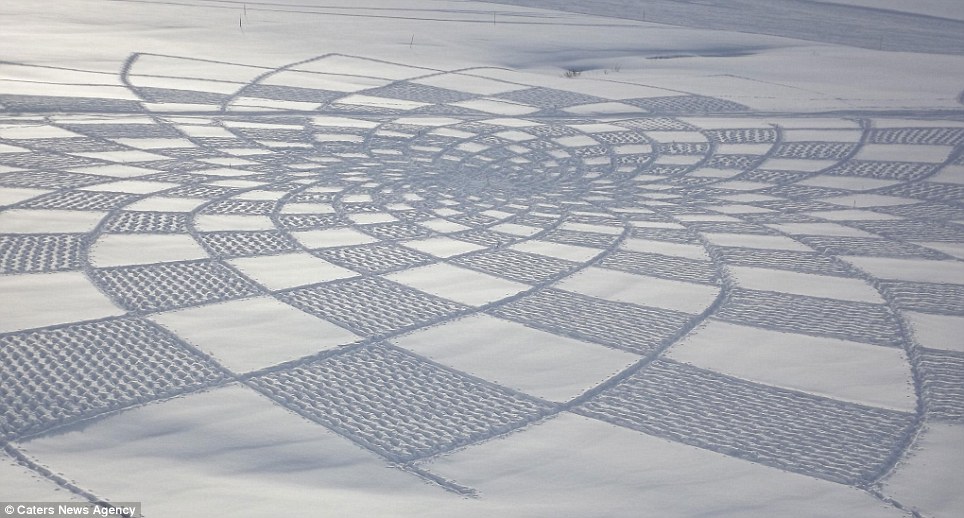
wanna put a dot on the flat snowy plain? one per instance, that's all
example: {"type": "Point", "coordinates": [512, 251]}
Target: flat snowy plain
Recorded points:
{"type": "Point", "coordinates": [445, 258]}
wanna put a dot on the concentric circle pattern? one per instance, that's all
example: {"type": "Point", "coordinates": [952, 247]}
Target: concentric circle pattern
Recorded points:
{"type": "Point", "coordinates": [423, 260]}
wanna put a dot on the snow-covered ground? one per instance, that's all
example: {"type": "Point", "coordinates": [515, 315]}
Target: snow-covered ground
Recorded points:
{"type": "Point", "coordinates": [483, 259]}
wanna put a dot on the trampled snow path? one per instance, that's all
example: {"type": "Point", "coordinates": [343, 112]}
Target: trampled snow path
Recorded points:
{"type": "Point", "coordinates": [422, 261]}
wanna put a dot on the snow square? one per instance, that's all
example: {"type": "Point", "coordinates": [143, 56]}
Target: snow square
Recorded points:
{"type": "Point", "coordinates": [442, 246]}
{"type": "Point", "coordinates": [332, 237]}
{"type": "Point", "coordinates": [415, 410]}
{"type": "Point", "coordinates": [617, 286]}
{"type": "Point", "coordinates": [234, 443]}
{"type": "Point", "coordinates": [458, 284]}
{"type": "Point", "coordinates": [833, 368]}
{"type": "Point", "coordinates": [162, 286]}
{"type": "Point", "coordinates": [128, 249]}
{"type": "Point", "coordinates": [371, 306]}
{"type": "Point", "coordinates": [43, 299]}
{"type": "Point", "coordinates": [544, 365]}
{"type": "Point", "coordinates": [100, 366]}
{"type": "Point", "coordinates": [283, 271]}
{"type": "Point", "coordinates": [37, 221]}
{"type": "Point", "coordinates": [249, 334]}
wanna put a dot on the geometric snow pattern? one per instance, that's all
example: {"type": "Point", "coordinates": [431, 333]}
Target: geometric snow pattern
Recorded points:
{"type": "Point", "coordinates": [147, 223]}
{"type": "Point", "coordinates": [623, 326]}
{"type": "Point", "coordinates": [516, 266]}
{"type": "Point", "coordinates": [820, 437]}
{"type": "Point", "coordinates": [667, 267]}
{"type": "Point", "coordinates": [396, 404]}
{"type": "Point", "coordinates": [400, 178]}
{"type": "Point", "coordinates": [943, 373]}
{"type": "Point", "coordinates": [377, 258]}
{"type": "Point", "coordinates": [371, 306]}
{"type": "Point", "coordinates": [52, 377]}
{"type": "Point", "coordinates": [926, 297]}
{"type": "Point", "coordinates": [247, 243]}
{"type": "Point", "coordinates": [857, 321]}
{"type": "Point", "coordinates": [805, 262]}
{"type": "Point", "coordinates": [32, 253]}
{"type": "Point", "coordinates": [159, 287]}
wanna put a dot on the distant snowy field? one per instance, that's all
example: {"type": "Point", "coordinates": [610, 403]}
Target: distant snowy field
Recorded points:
{"type": "Point", "coordinates": [483, 259]}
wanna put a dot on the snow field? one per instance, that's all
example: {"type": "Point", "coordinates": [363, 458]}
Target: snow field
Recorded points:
{"type": "Point", "coordinates": [370, 285]}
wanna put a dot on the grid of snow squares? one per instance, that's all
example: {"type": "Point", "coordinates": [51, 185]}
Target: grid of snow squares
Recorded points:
{"type": "Point", "coordinates": [943, 379]}
{"type": "Point", "coordinates": [158, 287]}
{"type": "Point", "coordinates": [848, 320]}
{"type": "Point", "coordinates": [516, 266]}
{"type": "Point", "coordinates": [397, 404]}
{"type": "Point", "coordinates": [662, 266]}
{"type": "Point", "coordinates": [372, 306]}
{"type": "Point", "coordinates": [246, 243]}
{"type": "Point", "coordinates": [816, 436]}
{"type": "Point", "coordinates": [34, 253]}
{"type": "Point", "coordinates": [99, 366]}
{"type": "Point", "coordinates": [375, 258]}
{"type": "Point", "coordinates": [454, 379]}
{"type": "Point", "coordinates": [80, 200]}
{"type": "Point", "coordinates": [628, 327]}
{"type": "Point", "coordinates": [146, 222]}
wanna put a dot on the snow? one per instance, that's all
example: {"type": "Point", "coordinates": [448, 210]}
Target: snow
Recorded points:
{"type": "Point", "coordinates": [937, 331]}
{"type": "Point", "coordinates": [804, 284]}
{"type": "Point", "coordinates": [458, 284]}
{"type": "Point", "coordinates": [618, 286]}
{"type": "Point", "coordinates": [574, 463]}
{"type": "Point", "coordinates": [16, 221]}
{"type": "Point", "coordinates": [665, 248]}
{"type": "Point", "coordinates": [442, 246]}
{"type": "Point", "coordinates": [331, 237]}
{"type": "Point", "coordinates": [532, 361]}
{"type": "Point", "coordinates": [23, 482]}
{"type": "Point", "coordinates": [115, 170]}
{"type": "Point", "coordinates": [911, 269]}
{"type": "Point", "coordinates": [518, 258]}
{"type": "Point", "coordinates": [820, 229]}
{"type": "Point", "coordinates": [937, 8]}
{"type": "Point", "coordinates": [557, 250]}
{"type": "Point", "coordinates": [283, 271]}
{"type": "Point", "coordinates": [935, 457]}
{"type": "Point", "coordinates": [129, 249]}
{"type": "Point", "coordinates": [200, 448]}
{"type": "Point", "coordinates": [216, 222]}
{"type": "Point", "coordinates": [251, 334]}
{"type": "Point", "coordinates": [839, 369]}
{"type": "Point", "coordinates": [755, 241]}
{"type": "Point", "coordinates": [43, 299]}
{"type": "Point", "coordinates": [904, 153]}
